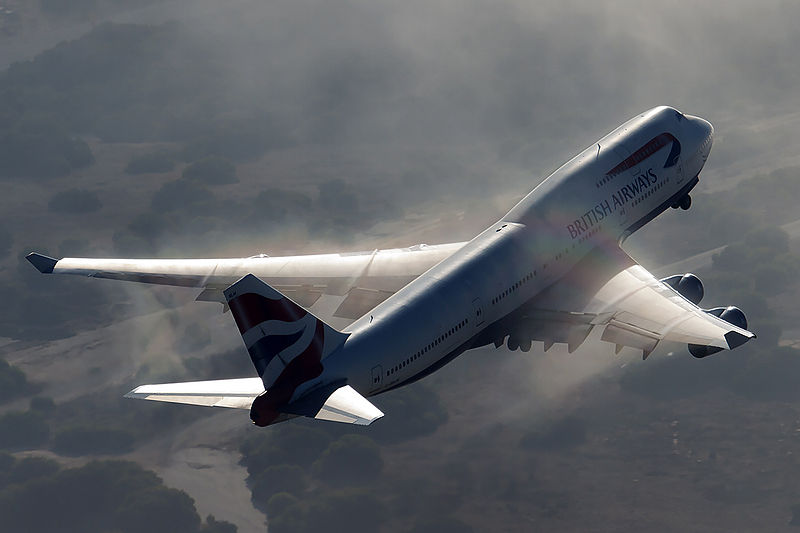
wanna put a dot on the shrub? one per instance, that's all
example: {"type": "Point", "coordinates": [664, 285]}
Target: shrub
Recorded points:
{"type": "Point", "coordinates": [212, 170]}
{"type": "Point", "coordinates": [20, 430]}
{"type": "Point", "coordinates": [352, 459]}
{"type": "Point", "coordinates": [213, 525]}
{"type": "Point", "coordinates": [277, 479]}
{"type": "Point", "coordinates": [560, 434]}
{"type": "Point", "coordinates": [41, 154]}
{"type": "Point", "coordinates": [279, 503]}
{"type": "Point", "coordinates": [115, 496]}
{"type": "Point", "coordinates": [158, 509]}
{"type": "Point", "coordinates": [43, 405]}
{"type": "Point", "coordinates": [181, 195]}
{"type": "Point", "coordinates": [6, 240]}
{"type": "Point", "coordinates": [157, 162]}
{"type": "Point", "coordinates": [29, 468]}
{"type": "Point", "coordinates": [289, 444]}
{"type": "Point", "coordinates": [74, 201]}
{"type": "Point", "coordinates": [82, 440]}
{"type": "Point", "coordinates": [13, 382]}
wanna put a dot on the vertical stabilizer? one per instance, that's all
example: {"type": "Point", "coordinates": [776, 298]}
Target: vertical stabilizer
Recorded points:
{"type": "Point", "coordinates": [286, 343]}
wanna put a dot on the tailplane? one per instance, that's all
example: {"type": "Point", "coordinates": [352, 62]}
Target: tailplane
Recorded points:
{"type": "Point", "coordinates": [335, 403]}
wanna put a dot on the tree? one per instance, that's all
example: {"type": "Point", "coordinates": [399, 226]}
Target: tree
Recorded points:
{"type": "Point", "coordinates": [352, 459]}
{"type": "Point", "coordinates": [86, 440]}
{"type": "Point", "coordinates": [213, 170]}
{"type": "Point", "coordinates": [75, 202]}
{"type": "Point", "coordinates": [213, 525]}
{"type": "Point", "coordinates": [280, 503]}
{"type": "Point", "coordinates": [339, 203]}
{"type": "Point", "coordinates": [181, 196]}
{"type": "Point", "coordinates": [98, 497]}
{"type": "Point", "coordinates": [346, 510]}
{"type": "Point", "coordinates": [277, 479]}
{"type": "Point", "coordinates": [195, 337]}
{"type": "Point", "coordinates": [420, 412]}
{"type": "Point", "coordinates": [279, 205]}
{"type": "Point", "coordinates": [29, 468]}
{"type": "Point", "coordinates": [43, 405]}
{"type": "Point", "coordinates": [158, 510]}
{"type": "Point", "coordinates": [564, 433]}
{"type": "Point", "coordinates": [292, 444]}
{"type": "Point", "coordinates": [156, 162]}
{"type": "Point", "coordinates": [41, 154]}
{"type": "Point", "coordinates": [13, 382]}
{"type": "Point", "coordinates": [6, 239]}
{"type": "Point", "coordinates": [20, 430]}
{"type": "Point", "coordinates": [441, 524]}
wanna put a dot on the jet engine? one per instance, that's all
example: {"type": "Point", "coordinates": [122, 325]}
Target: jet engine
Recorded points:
{"type": "Point", "coordinates": [732, 315]}
{"type": "Point", "coordinates": [519, 342]}
{"type": "Point", "coordinates": [688, 285]}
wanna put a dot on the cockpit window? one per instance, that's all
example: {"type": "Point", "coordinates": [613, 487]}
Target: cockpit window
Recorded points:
{"type": "Point", "coordinates": [678, 115]}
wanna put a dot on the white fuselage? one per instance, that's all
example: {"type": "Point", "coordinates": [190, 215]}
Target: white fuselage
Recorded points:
{"type": "Point", "coordinates": [602, 195]}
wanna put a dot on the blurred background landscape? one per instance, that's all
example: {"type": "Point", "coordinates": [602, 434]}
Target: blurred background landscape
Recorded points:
{"type": "Point", "coordinates": [145, 128]}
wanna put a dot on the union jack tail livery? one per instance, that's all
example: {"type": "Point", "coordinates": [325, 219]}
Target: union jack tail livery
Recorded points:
{"type": "Point", "coordinates": [286, 343]}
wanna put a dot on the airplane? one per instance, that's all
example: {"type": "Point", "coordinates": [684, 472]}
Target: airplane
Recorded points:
{"type": "Point", "coordinates": [551, 269]}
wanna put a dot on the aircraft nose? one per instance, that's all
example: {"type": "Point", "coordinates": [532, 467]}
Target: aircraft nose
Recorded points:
{"type": "Point", "coordinates": [705, 127]}
{"type": "Point", "coordinates": [702, 133]}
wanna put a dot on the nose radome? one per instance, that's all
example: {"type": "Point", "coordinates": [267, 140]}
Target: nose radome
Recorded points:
{"type": "Point", "coordinates": [703, 127]}
{"type": "Point", "coordinates": [706, 126]}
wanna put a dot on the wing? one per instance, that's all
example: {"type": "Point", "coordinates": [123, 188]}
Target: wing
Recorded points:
{"type": "Point", "coordinates": [608, 289]}
{"type": "Point", "coordinates": [360, 280]}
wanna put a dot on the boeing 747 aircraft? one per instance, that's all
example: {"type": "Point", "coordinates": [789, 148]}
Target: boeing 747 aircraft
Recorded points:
{"type": "Point", "coordinates": [550, 270]}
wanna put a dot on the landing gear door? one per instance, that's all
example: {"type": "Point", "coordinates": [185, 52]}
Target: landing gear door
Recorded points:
{"type": "Point", "coordinates": [477, 312]}
{"type": "Point", "coordinates": [377, 376]}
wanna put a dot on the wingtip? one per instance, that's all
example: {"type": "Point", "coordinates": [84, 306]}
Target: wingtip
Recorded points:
{"type": "Point", "coordinates": [133, 393]}
{"type": "Point", "coordinates": [736, 339]}
{"type": "Point", "coordinates": [43, 263]}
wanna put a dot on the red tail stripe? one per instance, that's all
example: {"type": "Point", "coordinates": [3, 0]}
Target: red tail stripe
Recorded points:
{"type": "Point", "coordinates": [252, 309]}
{"type": "Point", "coordinates": [306, 366]}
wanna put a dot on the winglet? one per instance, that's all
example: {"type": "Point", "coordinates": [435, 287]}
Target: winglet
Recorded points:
{"type": "Point", "coordinates": [43, 263]}
{"type": "Point", "coordinates": [736, 339]}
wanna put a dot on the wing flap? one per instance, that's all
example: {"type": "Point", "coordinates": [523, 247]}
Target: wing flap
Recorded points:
{"type": "Point", "coordinates": [231, 393]}
{"type": "Point", "coordinates": [634, 308]}
{"type": "Point", "coordinates": [642, 304]}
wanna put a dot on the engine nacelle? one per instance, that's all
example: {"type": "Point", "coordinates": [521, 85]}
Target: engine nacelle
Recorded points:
{"type": "Point", "coordinates": [700, 351]}
{"type": "Point", "coordinates": [688, 285]}
{"type": "Point", "coordinates": [732, 315]}
{"type": "Point", "coordinates": [516, 342]}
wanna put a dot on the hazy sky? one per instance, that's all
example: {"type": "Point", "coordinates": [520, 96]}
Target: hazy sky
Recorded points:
{"type": "Point", "coordinates": [530, 81]}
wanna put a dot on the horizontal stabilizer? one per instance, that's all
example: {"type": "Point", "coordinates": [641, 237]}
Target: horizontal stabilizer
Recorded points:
{"type": "Point", "coordinates": [348, 406]}
{"type": "Point", "coordinates": [233, 393]}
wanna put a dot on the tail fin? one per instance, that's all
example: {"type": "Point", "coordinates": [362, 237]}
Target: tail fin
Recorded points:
{"type": "Point", "coordinates": [286, 343]}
